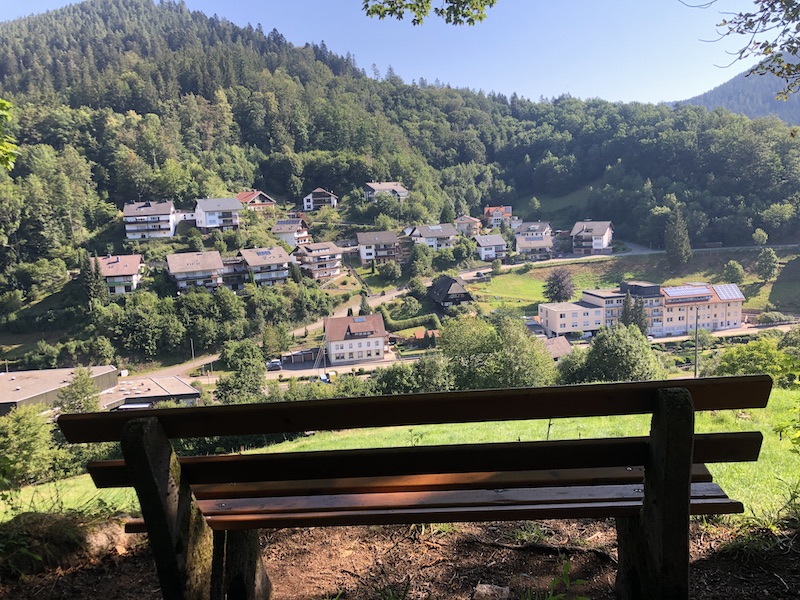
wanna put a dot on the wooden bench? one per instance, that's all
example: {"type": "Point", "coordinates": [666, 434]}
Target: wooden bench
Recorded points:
{"type": "Point", "coordinates": [202, 513]}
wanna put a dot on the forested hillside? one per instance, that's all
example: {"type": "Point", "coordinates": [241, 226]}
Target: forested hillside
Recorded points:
{"type": "Point", "coordinates": [121, 100]}
{"type": "Point", "coordinates": [751, 95]}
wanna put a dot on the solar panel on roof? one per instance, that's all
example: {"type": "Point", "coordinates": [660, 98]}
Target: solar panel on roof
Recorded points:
{"type": "Point", "coordinates": [686, 291]}
{"type": "Point", "coordinates": [435, 227]}
{"type": "Point", "coordinates": [728, 291]}
{"type": "Point", "coordinates": [263, 252]}
{"type": "Point", "coordinates": [359, 320]}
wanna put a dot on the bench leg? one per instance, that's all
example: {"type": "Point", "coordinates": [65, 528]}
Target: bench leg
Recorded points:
{"type": "Point", "coordinates": [654, 547]}
{"type": "Point", "coordinates": [243, 576]}
{"type": "Point", "coordinates": [186, 551]}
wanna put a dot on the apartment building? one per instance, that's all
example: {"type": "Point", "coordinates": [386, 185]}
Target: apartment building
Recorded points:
{"type": "Point", "coordinates": [561, 318]}
{"type": "Point", "coordinates": [146, 220]}
{"type": "Point", "coordinates": [265, 266]}
{"type": "Point", "coordinates": [700, 306]}
{"type": "Point", "coordinates": [534, 240]}
{"type": "Point", "coordinates": [380, 246]}
{"type": "Point", "coordinates": [322, 260]}
{"type": "Point", "coordinates": [592, 237]}
{"type": "Point", "coordinates": [192, 269]}
{"type": "Point", "coordinates": [218, 213]}
{"type": "Point", "coordinates": [292, 231]}
{"type": "Point", "coordinates": [490, 247]}
{"type": "Point", "coordinates": [436, 237]}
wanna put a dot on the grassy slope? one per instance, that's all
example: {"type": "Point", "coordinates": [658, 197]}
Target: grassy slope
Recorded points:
{"type": "Point", "coordinates": [762, 486]}
{"type": "Point", "coordinates": [523, 289]}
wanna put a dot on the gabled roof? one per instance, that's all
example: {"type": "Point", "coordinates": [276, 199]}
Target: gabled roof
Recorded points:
{"type": "Point", "coordinates": [257, 257]}
{"type": "Point", "coordinates": [341, 328]}
{"type": "Point", "coordinates": [504, 210]}
{"type": "Point", "coordinates": [591, 227]}
{"type": "Point", "coordinates": [557, 346]}
{"type": "Point", "coordinates": [486, 241]}
{"type": "Point", "coordinates": [366, 238]}
{"type": "Point", "coordinates": [318, 247]}
{"type": "Point", "coordinates": [218, 204]}
{"type": "Point", "coordinates": [322, 191]}
{"type": "Point", "coordinates": [533, 227]}
{"type": "Point", "coordinates": [386, 186]}
{"type": "Point", "coordinates": [467, 219]}
{"type": "Point", "coordinates": [142, 209]}
{"type": "Point", "coordinates": [447, 286]}
{"type": "Point", "coordinates": [288, 225]}
{"type": "Point", "coordinates": [442, 230]}
{"type": "Point", "coordinates": [254, 197]}
{"type": "Point", "coordinates": [114, 266]}
{"type": "Point", "coordinates": [189, 262]}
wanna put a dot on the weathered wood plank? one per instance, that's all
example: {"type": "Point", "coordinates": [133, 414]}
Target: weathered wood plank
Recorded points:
{"type": "Point", "coordinates": [605, 399]}
{"type": "Point", "coordinates": [514, 456]}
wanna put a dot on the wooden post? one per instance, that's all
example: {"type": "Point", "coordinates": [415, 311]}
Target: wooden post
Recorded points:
{"type": "Point", "coordinates": [654, 547]}
{"type": "Point", "coordinates": [179, 537]}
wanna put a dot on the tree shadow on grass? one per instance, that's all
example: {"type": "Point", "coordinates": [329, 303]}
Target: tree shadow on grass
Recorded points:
{"type": "Point", "coordinates": [785, 293]}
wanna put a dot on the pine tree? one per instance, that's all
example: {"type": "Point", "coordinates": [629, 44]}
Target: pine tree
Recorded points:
{"type": "Point", "coordinates": [626, 317]}
{"type": "Point", "coordinates": [676, 239]}
{"type": "Point", "coordinates": [639, 315]}
{"type": "Point", "coordinates": [767, 264]}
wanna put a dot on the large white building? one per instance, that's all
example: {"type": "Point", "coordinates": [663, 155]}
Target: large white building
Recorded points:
{"type": "Point", "coordinates": [322, 260]}
{"type": "Point", "coordinates": [145, 220]}
{"type": "Point", "coordinates": [355, 339]}
{"type": "Point", "coordinates": [674, 310]}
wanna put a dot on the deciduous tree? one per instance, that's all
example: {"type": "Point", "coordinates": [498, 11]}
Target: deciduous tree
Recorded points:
{"type": "Point", "coordinates": [733, 272]}
{"type": "Point", "coordinates": [767, 264]}
{"type": "Point", "coordinates": [559, 286]}
{"type": "Point", "coordinates": [81, 395]}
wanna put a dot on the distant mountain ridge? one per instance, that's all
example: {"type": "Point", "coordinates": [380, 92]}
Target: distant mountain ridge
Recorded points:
{"type": "Point", "coordinates": [753, 96]}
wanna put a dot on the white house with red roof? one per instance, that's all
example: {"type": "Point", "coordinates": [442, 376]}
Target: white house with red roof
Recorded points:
{"type": "Point", "coordinates": [256, 200]}
{"type": "Point", "coordinates": [355, 339]}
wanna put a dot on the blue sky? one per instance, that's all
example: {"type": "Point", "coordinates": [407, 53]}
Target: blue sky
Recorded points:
{"type": "Point", "coordinates": [618, 50]}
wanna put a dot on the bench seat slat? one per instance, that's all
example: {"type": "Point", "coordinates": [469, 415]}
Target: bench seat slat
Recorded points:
{"type": "Point", "coordinates": [438, 499]}
{"type": "Point", "coordinates": [438, 481]}
{"type": "Point", "coordinates": [604, 399]}
{"type": "Point", "coordinates": [598, 510]}
{"type": "Point", "coordinates": [705, 499]}
{"type": "Point", "coordinates": [515, 456]}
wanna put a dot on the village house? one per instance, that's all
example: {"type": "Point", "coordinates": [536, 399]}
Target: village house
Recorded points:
{"type": "Point", "coordinates": [380, 246]}
{"type": "Point", "coordinates": [319, 198]}
{"type": "Point", "coordinates": [292, 231]}
{"type": "Point", "coordinates": [496, 216]}
{"type": "Point", "coordinates": [146, 220]}
{"type": "Point", "coordinates": [353, 339]}
{"type": "Point", "coordinates": [322, 260]}
{"type": "Point", "coordinates": [217, 213]}
{"type": "Point", "coordinates": [121, 274]}
{"type": "Point", "coordinates": [266, 266]}
{"type": "Point", "coordinates": [436, 237]}
{"type": "Point", "coordinates": [449, 291]}
{"type": "Point", "coordinates": [534, 240]}
{"type": "Point", "coordinates": [490, 247]}
{"type": "Point", "coordinates": [592, 237]}
{"type": "Point", "coordinates": [468, 226]}
{"type": "Point", "coordinates": [193, 269]}
{"type": "Point", "coordinates": [392, 188]}
{"type": "Point", "coordinates": [256, 200]}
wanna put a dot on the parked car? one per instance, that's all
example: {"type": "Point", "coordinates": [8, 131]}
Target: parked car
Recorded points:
{"type": "Point", "coordinates": [479, 274]}
{"type": "Point", "coordinates": [274, 365]}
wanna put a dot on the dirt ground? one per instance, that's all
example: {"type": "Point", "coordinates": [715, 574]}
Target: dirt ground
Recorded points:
{"type": "Point", "coordinates": [447, 562]}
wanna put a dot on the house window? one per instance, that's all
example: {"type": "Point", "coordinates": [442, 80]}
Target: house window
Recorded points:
{"type": "Point", "coordinates": [563, 326]}
{"type": "Point", "coordinates": [350, 355]}
{"type": "Point", "coordinates": [360, 354]}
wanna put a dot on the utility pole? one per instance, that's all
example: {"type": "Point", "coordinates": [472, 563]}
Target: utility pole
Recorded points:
{"type": "Point", "coordinates": [696, 354]}
{"type": "Point", "coordinates": [191, 341]}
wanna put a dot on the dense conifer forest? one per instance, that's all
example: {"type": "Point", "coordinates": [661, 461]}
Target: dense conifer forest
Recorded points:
{"type": "Point", "coordinates": [123, 100]}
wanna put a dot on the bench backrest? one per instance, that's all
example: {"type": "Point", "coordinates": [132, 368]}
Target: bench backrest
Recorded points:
{"type": "Point", "coordinates": [607, 399]}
